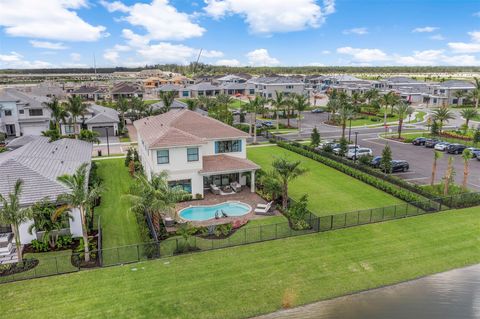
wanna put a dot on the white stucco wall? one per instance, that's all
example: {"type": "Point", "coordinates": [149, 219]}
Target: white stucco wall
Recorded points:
{"type": "Point", "coordinates": [25, 237]}
{"type": "Point", "coordinates": [76, 223]}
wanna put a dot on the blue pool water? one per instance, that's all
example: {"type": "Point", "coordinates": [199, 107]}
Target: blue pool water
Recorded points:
{"type": "Point", "coordinates": [199, 213]}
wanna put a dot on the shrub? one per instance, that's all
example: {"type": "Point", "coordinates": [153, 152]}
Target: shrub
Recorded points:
{"type": "Point", "coordinates": [64, 241]}
{"type": "Point", "coordinates": [297, 213]}
{"type": "Point", "coordinates": [39, 246]}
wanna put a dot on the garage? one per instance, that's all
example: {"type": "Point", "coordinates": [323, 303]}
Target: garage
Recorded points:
{"type": "Point", "coordinates": [36, 129]}
{"type": "Point", "coordinates": [102, 131]}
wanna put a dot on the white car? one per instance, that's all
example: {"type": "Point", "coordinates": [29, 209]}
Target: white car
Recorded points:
{"type": "Point", "coordinates": [337, 150]}
{"type": "Point", "coordinates": [442, 146]}
{"type": "Point", "coordinates": [362, 151]}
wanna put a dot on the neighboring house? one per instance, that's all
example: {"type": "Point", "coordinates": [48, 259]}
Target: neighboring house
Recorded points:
{"type": "Point", "coordinates": [22, 113]}
{"type": "Point", "coordinates": [178, 89]}
{"type": "Point", "coordinates": [38, 164]}
{"type": "Point", "coordinates": [126, 90]}
{"type": "Point", "coordinates": [231, 78]}
{"type": "Point", "coordinates": [233, 88]}
{"type": "Point", "coordinates": [202, 89]}
{"type": "Point", "coordinates": [196, 151]}
{"type": "Point", "coordinates": [267, 86]}
{"type": "Point", "coordinates": [100, 119]}
{"type": "Point", "coordinates": [175, 105]}
{"type": "Point", "coordinates": [90, 93]}
{"type": "Point", "coordinates": [444, 93]}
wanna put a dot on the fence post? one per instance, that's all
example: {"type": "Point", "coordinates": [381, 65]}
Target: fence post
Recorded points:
{"type": "Point", "coordinates": [138, 252]}
{"type": "Point", "coordinates": [358, 217]}
{"type": "Point", "coordinates": [345, 220]}
{"type": "Point", "coordinates": [244, 235]}
{"type": "Point", "coordinates": [395, 212]}
{"type": "Point", "coordinates": [276, 231]}
{"type": "Point", "coordinates": [118, 255]}
{"type": "Point", "coordinates": [331, 221]}
{"type": "Point", "coordinates": [56, 264]}
{"type": "Point", "coordinates": [383, 213]}
{"type": "Point", "coordinates": [261, 228]}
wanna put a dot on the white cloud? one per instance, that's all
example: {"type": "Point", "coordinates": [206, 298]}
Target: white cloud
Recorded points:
{"type": "Point", "coordinates": [75, 56]}
{"type": "Point", "coordinates": [48, 19]}
{"type": "Point", "coordinates": [359, 31]}
{"type": "Point", "coordinates": [14, 60]}
{"type": "Point", "coordinates": [476, 14]}
{"type": "Point", "coordinates": [467, 47]}
{"type": "Point", "coordinates": [228, 62]}
{"type": "Point", "coordinates": [326, 52]}
{"type": "Point", "coordinates": [261, 57]}
{"type": "Point", "coordinates": [48, 45]}
{"type": "Point", "coordinates": [161, 20]}
{"type": "Point", "coordinates": [425, 29]}
{"type": "Point", "coordinates": [364, 55]}
{"type": "Point", "coordinates": [212, 54]}
{"type": "Point", "coordinates": [269, 16]}
{"type": "Point", "coordinates": [111, 56]}
{"type": "Point", "coordinates": [421, 58]}
{"type": "Point", "coordinates": [438, 37]}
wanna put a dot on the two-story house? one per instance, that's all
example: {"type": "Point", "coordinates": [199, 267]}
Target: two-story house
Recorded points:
{"type": "Point", "coordinates": [97, 118]}
{"type": "Point", "coordinates": [22, 113]}
{"type": "Point", "coordinates": [267, 86]}
{"type": "Point", "coordinates": [196, 151]}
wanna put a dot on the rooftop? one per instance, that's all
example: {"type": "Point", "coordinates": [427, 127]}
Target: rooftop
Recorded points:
{"type": "Point", "coordinates": [225, 164]}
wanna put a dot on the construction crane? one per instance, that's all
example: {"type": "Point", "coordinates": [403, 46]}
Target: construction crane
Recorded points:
{"type": "Point", "coordinates": [196, 63]}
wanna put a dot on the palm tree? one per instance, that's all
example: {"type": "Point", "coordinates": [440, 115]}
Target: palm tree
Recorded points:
{"type": "Point", "coordinates": [13, 214]}
{"type": "Point", "coordinates": [155, 195]}
{"type": "Point", "coordinates": [436, 156]}
{"type": "Point", "coordinates": [448, 176]}
{"type": "Point", "coordinates": [468, 114]}
{"type": "Point", "coordinates": [81, 197]}
{"type": "Point", "coordinates": [278, 104]}
{"type": "Point", "coordinates": [288, 109]}
{"type": "Point", "coordinates": [253, 106]}
{"type": "Point", "coordinates": [224, 99]}
{"type": "Point", "coordinates": [466, 156]}
{"type": "Point", "coordinates": [167, 99]}
{"type": "Point", "coordinates": [389, 99]}
{"type": "Point", "coordinates": [59, 114]}
{"type": "Point", "coordinates": [138, 107]}
{"type": "Point", "coordinates": [356, 98]}
{"type": "Point", "coordinates": [49, 219]}
{"type": "Point", "coordinates": [76, 108]}
{"type": "Point", "coordinates": [300, 104]}
{"type": "Point", "coordinates": [458, 94]}
{"type": "Point", "coordinates": [192, 104]}
{"type": "Point", "coordinates": [476, 92]}
{"type": "Point", "coordinates": [345, 113]}
{"type": "Point", "coordinates": [403, 110]}
{"type": "Point", "coordinates": [122, 107]}
{"type": "Point", "coordinates": [371, 94]}
{"type": "Point", "coordinates": [332, 106]}
{"type": "Point", "coordinates": [442, 114]}
{"type": "Point", "coordinates": [287, 171]}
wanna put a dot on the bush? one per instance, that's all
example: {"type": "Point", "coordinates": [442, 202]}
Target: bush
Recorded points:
{"type": "Point", "coordinates": [15, 268]}
{"type": "Point", "coordinates": [64, 241]}
{"type": "Point", "coordinates": [39, 246]}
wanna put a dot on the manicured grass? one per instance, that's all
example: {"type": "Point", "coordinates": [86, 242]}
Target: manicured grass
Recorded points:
{"type": "Point", "coordinates": [249, 280]}
{"type": "Point", "coordinates": [118, 224]}
{"type": "Point", "coordinates": [150, 102]}
{"type": "Point", "coordinates": [236, 104]}
{"type": "Point", "coordinates": [329, 190]}
{"type": "Point", "coordinates": [124, 139]}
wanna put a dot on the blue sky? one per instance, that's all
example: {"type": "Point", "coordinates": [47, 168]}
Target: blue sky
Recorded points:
{"type": "Point", "coordinates": [67, 33]}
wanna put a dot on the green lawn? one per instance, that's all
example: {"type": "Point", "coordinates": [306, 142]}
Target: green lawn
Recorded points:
{"type": "Point", "coordinates": [329, 190]}
{"type": "Point", "coordinates": [118, 224]}
{"type": "Point", "coordinates": [150, 102]}
{"type": "Point", "coordinates": [249, 280]}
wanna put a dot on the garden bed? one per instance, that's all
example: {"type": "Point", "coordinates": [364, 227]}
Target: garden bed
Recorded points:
{"type": "Point", "coordinates": [16, 268]}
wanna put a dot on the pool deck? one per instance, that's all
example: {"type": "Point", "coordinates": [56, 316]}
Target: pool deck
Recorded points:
{"type": "Point", "coordinates": [245, 196]}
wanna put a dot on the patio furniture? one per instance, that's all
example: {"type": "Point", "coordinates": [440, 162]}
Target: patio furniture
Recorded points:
{"type": "Point", "coordinates": [169, 222]}
{"type": "Point", "coordinates": [263, 211]}
{"type": "Point", "coordinates": [215, 190]}
{"type": "Point", "coordinates": [264, 205]}
{"type": "Point", "coordinates": [236, 186]}
{"type": "Point", "coordinates": [224, 214]}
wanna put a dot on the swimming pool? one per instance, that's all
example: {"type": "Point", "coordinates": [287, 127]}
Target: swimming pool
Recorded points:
{"type": "Point", "coordinates": [200, 213]}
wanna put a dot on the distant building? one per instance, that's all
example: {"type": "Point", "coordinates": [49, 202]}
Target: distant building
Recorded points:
{"type": "Point", "coordinates": [100, 119]}
{"type": "Point", "coordinates": [267, 86]}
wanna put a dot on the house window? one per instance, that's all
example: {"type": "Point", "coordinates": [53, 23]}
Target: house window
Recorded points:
{"type": "Point", "coordinates": [228, 146]}
{"type": "Point", "coordinates": [251, 91]}
{"type": "Point", "coordinates": [185, 93]}
{"type": "Point", "coordinates": [8, 112]}
{"type": "Point", "coordinates": [185, 184]}
{"type": "Point", "coordinates": [21, 111]}
{"type": "Point", "coordinates": [269, 95]}
{"type": "Point", "coordinates": [35, 112]}
{"type": "Point", "coordinates": [289, 87]}
{"type": "Point", "coordinates": [69, 129]}
{"type": "Point", "coordinates": [192, 154]}
{"type": "Point", "coordinates": [163, 157]}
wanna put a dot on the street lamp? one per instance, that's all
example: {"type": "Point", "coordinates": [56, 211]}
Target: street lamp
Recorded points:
{"type": "Point", "coordinates": [356, 139]}
{"type": "Point", "coordinates": [350, 130]}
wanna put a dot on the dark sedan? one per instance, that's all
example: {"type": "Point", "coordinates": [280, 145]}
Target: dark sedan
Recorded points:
{"type": "Point", "coordinates": [431, 142]}
{"type": "Point", "coordinates": [456, 148]}
{"type": "Point", "coordinates": [400, 166]}
{"type": "Point", "coordinates": [419, 141]}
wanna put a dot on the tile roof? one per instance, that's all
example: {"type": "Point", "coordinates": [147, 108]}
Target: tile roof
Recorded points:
{"type": "Point", "coordinates": [225, 163]}
{"type": "Point", "coordinates": [183, 127]}
{"type": "Point", "coordinates": [203, 86]}
{"type": "Point", "coordinates": [38, 164]}
{"type": "Point", "coordinates": [276, 80]}
{"type": "Point", "coordinates": [125, 88]}
{"type": "Point", "coordinates": [102, 114]}
{"type": "Point", "coordinates": [175, 105]}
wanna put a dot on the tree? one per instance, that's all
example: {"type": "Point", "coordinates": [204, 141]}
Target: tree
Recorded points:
{"type": "Point", "coordinates": [138, 107]}
{"type": "Point", "coordinates": [80, 197]}
{"type": "Point", "coordinates": [448, 176]}
{"type": "Point", "coordinates": [386, 161]}
{"type": "Point", "coordinates": [315, 137]}
{"type": "Point", "coordinates": [403, 110]}
{"type": "Point", "coordinates": [287, 171]}
{"type": "Point", "coordinates": [155, 195]}
{"type": "Point", "coordinates": [122, 107]}
{"type": "Point", "coordinates": [167, 99]}
{"type": "Point", "coordinates": [345, 113]}
{"type": "Point", "coordinates": [278, 103]}
{"type": "Point", "coordinates": [356, 98]}
{"type": "Point", "coordinates": [389, 99]}
{"type": "Point", "coordinates": [466, 156]}
{"type": "Point", "coordinates": [442, 114]}
{"type": "Point", "coordinates": [332, 106]}
{"type": "Point", "coordinates": [13, 214]}
{"type": "Point", "coordinates": [289, 109]}
{"type": "Point", "coordinates": [436, 156]}
{"type": "Point", "coordinates": [224, 99]}
{"type": "Point", "coordinates": [186, 231]}
{"type": "Point", "coordinates": [59, 114]}
{"type": "Point", "coordinates": [192, 104]}
{"type": "Point", "coordinates": [271, 184]}
{"type": "Point", "coordinates": [371, 94]}
{"type": "Point", "coordinates": [89, 136]}
{"type": "Point", "coordinates": [435, 129]}
{"type": "Point", "coordinates": [459, 95]}
{"type": "Point", "coordinates": [76, 108]}
{"type": "Point", "coordinates": [476, 92]}
{"type": "Point", "coordinates": [300, 104]}
{"type": "Point", "coordinates": [468, 114]}
{"type": "Point", "coordinates": [476, 136]}
{"type": "Point", "coordinates": [253, 106]}
{"type": "Point", "coordinates": [50, 219]}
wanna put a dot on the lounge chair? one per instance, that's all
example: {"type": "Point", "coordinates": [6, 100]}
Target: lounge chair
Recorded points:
{"type": "Point", "coordinates": [236, 186]}
{"type": "Point", "coordinates": [263, 211]}
{"type": "Point", "coordinates": [264, 205]}
{"type": "Point", "coordinates": [215, 190]}
{"type": "Point", "coordinates": [224, 214]}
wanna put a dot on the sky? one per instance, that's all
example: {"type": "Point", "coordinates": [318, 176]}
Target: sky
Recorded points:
{"type": "Point", "coordinates": [71, 33]}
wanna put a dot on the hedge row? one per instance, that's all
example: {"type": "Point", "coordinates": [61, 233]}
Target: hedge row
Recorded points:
{"type": "Point", "coordinates": [380, 184]}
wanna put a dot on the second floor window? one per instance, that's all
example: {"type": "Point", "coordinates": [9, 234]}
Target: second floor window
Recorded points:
{"type": "Point", "coordinates": [8, 112]}
{"type": "Point", "coordinates": [192, 154]}
{"type": "Point", "coordinates": [228, 146]}
{"type": "Point", "coordinates": [163, 157]}
{"type": "Point", "coordinates": [290, 87]}
{"type": "Point", "coordinates": [35, 112]}
{"type": "Point", "coordinates": [69, 129]}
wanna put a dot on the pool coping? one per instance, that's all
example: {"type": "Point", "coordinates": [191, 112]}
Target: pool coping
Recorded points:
{"type": "Point", "coordinates": [215, 221]}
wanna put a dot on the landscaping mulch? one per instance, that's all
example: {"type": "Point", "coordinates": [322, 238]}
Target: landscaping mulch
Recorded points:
{"type": "Point", "coordinates": [15, 268]}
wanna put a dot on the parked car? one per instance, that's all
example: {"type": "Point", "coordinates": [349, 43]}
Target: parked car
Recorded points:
{"type": "Point", "coordinates": [337, 150]}
{"type": "Point", "coordinates": [267, 123]}
{"type": "Point", "coordinates": [362, 151]}
{"type": "Point", "coordinates": [419, 141]}
{"type": "Point", "coordinates": [475, 151]}
{"type": "Point", "coordinates": [400, 166]}
{"type": "Point", "coordinates": [431, 142]}
{"type": "Point", "coordinates": [331, 145]}
{"type": "Point", "coordinates": [441, 146]}
{"type": "Point", "coordinates": [376, 161]}
{"type": "Point", "coordinates": [456, 148]}
{"type": "Point", "coordinates": [317, 111]}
